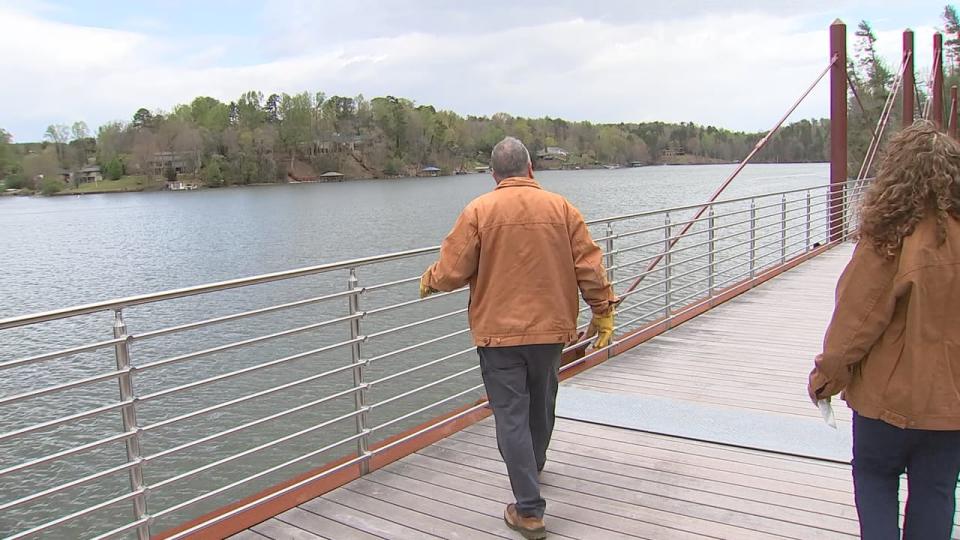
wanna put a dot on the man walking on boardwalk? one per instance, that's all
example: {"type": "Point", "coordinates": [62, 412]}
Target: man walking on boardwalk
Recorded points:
{"type": "Point", "coordinates": [524, 252]}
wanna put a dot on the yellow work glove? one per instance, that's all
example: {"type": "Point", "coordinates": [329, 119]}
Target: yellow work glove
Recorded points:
{"type": "Point", "coordinates": [602, 327]}
{"type": "Point", "coordinates": [425, 290]}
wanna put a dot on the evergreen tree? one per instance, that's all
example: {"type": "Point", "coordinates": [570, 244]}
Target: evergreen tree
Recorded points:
{"type": "Point", "coordinates": [951, 27]}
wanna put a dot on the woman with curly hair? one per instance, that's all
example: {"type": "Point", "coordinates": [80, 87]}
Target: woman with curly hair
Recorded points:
{"type": "Point", "coordinates": [893, 345]}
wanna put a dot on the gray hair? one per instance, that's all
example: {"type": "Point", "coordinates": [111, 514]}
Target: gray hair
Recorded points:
{"type": "Point", "coordinates": [509, 158]}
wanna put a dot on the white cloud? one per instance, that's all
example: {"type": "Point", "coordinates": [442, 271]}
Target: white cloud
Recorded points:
{"type": "Point", "coordinates": [739, 70]}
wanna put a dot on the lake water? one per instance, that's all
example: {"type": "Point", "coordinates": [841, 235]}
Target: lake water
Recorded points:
{"type": "Point", "coordinates": [63, 251]}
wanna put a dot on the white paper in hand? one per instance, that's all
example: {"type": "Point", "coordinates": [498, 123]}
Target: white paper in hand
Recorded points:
{"type": "Point", "coordinates": [826, 409]}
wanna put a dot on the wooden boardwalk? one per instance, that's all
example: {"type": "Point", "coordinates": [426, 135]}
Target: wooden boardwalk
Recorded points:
{"type": "Point", "coordinates": [602, 481]}
{"type": "Point", "coordinates": [754, 352]}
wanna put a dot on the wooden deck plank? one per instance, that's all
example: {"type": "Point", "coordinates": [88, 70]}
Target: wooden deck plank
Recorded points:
{"type": "Point", "coordinates": [308, 521]}
{"type": "Point", "coordinates": [566, 511]}
{"type": "Point", "coordinates": [615, 460]}
{"type": "Point", "coordinates": [496, 494]}
{"type": "Point", "coordinates": [684, 500]}
{"type": "Point", "coordinates": [676, 461]}
{"type": "Point", "coordinates": [426, 524]}
{"type": "Point", "coordinates": [448, 489]}
{"type": "Point", "coordinates": [248, 535]}
{"type": "Point", "coordinates": [362, 520]}
{"type": "Point", "coordinates": [573, 463]}
{"type": "Point", "coordinates": [276, 529]}
{"type": "Point", "coordinates": [763, 342]}
{"type": "Point", "coordinates": [478, 524]}
{"type": "Point", "coordinates": [433, 477]}
{"type": "Point", "coordinates": [681, 447]}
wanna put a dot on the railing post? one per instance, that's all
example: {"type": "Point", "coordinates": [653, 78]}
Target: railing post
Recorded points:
{"type": "Point", "coordinates": [908, 79]}
{"type": "Point", "coordinates": [849, 193]}
{"type": "Point", "coordinates": [609, 247]}
{"type": "Point", "coordinates": [783, 228]}
{"type": "Point", "coordinates": [712, 246]}
{"type": "Point", "coordinates": [128, 415]}
{"type": "Point", "coordinates": [753, 238]}
{"type": "Point", "coordinates": [952, 118]}
{"type": "Point", "coordinates": [808, 221]}
{"type": "Point", "coordinates": [667, 271]}
{"type": "Point", "coordinates": [360, 396]}
{"type": "Point", "coordinates": [936, 106]}
{"type": "Point", "coordinates": [838, 129]}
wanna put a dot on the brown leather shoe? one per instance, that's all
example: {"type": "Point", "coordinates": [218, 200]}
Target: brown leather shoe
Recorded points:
{"type": "Point", "coordinates": [530, 527]}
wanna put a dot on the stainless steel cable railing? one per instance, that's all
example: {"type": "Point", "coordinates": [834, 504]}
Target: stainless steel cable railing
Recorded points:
{"type": "Point", "coordinates": [218, 408]}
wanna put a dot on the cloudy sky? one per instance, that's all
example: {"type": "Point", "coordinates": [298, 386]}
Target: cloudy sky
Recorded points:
{"type": "Point", "coordinates": [737, 64]}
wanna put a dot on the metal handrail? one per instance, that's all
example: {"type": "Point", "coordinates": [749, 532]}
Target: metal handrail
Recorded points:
{"type": "Point", "coordinates": [130, 301]}
{"type": "Point", "coordinates": [244, 371]}
{"type": "Point", "coordinates": [65, 420]}
{"type": "Point", "coordinates": [792, 220]}
{"type": "Point", "coordinates": [659, 242]}
{"type": "Point", "coordinates": [680, 263]}
{"type": "Point", "coordinates": [238, 316]}
{"type": "Point", "coordinates": [66, 453]}
{"type": "Point", "coordinates": [60, 354]}
{"type": "Point", "coordinates": [721, 202]}
{"type": "Point", "coordinates": [697, 220]}
{"type": "Point", "coordinates": [244, 399]}
{"type": "Point", "coordinates": [250, 451]}
{"type": "Point", "coordinates": [248, 425]}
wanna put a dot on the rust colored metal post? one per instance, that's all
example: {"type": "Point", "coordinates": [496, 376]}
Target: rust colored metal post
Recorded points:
{"type": "Point", "coordinates": [936, 105]}
{"type": "Point", "coordinates": [908, 78]}
{"type": "Point", "coordinates": [952, 118]}
{"type": "Point", "coordinates": [838, 127]}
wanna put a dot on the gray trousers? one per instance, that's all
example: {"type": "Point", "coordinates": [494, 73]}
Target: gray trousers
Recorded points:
{"type": "Point", "coordinates": [521, 384]}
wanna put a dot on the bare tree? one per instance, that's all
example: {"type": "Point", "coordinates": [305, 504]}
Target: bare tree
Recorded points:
{"type": "Point", "coordinates": [58, 134]}
{"type": "Point", "coordinates": [144, 151]}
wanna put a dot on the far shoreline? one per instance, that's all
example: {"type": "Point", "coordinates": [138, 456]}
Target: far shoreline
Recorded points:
{"type": "Point", "coordinates": [202, 187]}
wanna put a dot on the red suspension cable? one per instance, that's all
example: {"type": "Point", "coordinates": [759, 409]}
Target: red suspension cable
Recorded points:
{"type": "Point", "coordinates": [885, 115]}
{"type": "Point", "coordinates": [759, 146]}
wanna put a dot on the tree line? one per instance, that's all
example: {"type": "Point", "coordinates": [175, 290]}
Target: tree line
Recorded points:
{"type": "Point", "coordinates": [278, 137]}
{"type": "Point", "coordinates": [275, 138]}
{"type": "Point", "coordinates": [872, 79]}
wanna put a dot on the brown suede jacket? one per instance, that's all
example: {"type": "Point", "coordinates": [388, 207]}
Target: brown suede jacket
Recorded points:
{"type": "Point", "coordinates": [893, 346]}
{"type": "Point", "coordinates": [524, 252]}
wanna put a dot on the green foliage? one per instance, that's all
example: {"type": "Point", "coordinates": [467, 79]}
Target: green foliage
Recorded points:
{"type": "Point", "coordinates": [50, 186]}
{"type": "Point", "coordinates": [951, 29]}
{"type": "Point", "coordinates": [872, 81]}
{"type": "Point", "coordinates": [110, 139]}
{"type": "Point", "coordinates": [209, 113]}
{"type": "Point", "coordinates": [114, 169]}
{"type": "Point", "coordinates": [125, 183]}
{"type": "Point", "coordinates": [213, 173]}
{"type": "Point", "coordinates": [7, 161]}
{"type": "Point", "coordinates": [872, 69]}
{"type": "Point", "coordinates": [143, 118]}
{"type": "Point", "coordinates": [257, 139]}
{"type": "Point", "coordinates": [392, 167]}
{"type": "Point", "coordinates": [16, 181]}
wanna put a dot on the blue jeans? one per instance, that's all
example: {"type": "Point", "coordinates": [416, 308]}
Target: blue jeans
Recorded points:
{"type": "Point", "coordinates": [931, 459]}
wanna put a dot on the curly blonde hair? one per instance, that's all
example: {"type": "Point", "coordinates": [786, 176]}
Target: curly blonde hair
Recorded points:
{"type": "Point", "coordinates": [919, 176]}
